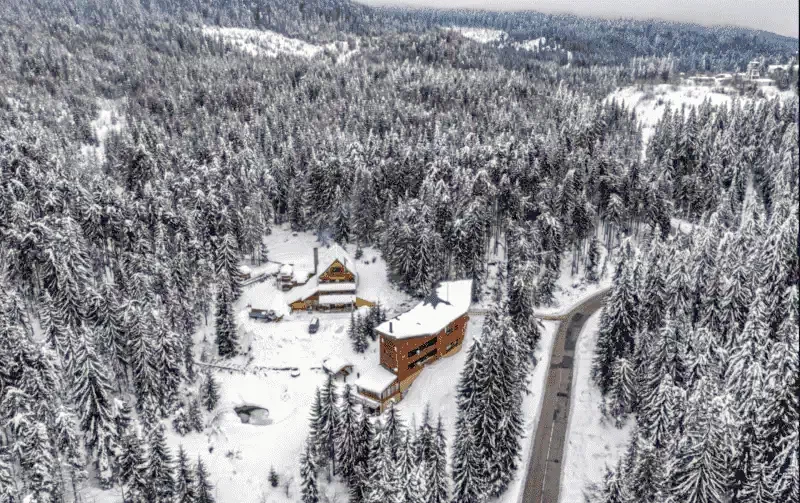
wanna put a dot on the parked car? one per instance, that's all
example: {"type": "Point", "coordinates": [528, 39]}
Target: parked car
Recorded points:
{"type": "Point", "coordinates": [313, 326]}
{"type": "Point", "coordinates": [264, 314]}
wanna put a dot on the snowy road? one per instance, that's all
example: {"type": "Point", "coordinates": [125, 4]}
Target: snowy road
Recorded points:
{"type": "Point", "coordinates": [544, 468]}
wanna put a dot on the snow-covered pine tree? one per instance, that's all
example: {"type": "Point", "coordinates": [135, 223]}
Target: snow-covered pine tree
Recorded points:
{"type": "Point", "coordinates": [701, 471]}
{"type": "Point", "coordinates": [623, 393]}
{"type": "Point", "coordinates": [308, 475]}
{"type": "Point", "coordinates": [613, 489]}
{"type": "Point", "coordinates": [347, 435]}
{"type": "Point", "coordinates": [132, 468]}
{"type": "Point", "coordinates": [618, 325]}
{"type": "Point", "coordinates": [195, 418]}
{"type": "Point", "coordinates": [424, 440]}
{"type": "Point", "coordinates": [327, 426]}
{"type": "Point", "coordinates": [209, 392]}
{"type": "Point", "coordinates": [205, 491]}
{"type": "Point", "coordinates": [394, 431]}
{"type": "Point", "coordinates": [227, 337]}
{"type": "Point", "coordinates": [185, 484]}
{"type": "Point", "coordinates": [356, 333]}
{"type": "Point", "coordinates": [341, 218]}
{"type": "Point", "coordinates": [180, 423]}
{"type": "Point", "coordinates": [438, 483]}
{"type": "Point", "coordinates": [93, 397]}
{"type": "Point", "coordinates": [226, 267]}
{"type": "Point", "coordinates": [381, 482]}
{"type": "Point", "coordinates": [468, 463]}
{"type": "Point", "coordinates": [160, 470]}
{"type": "Point", "coordinates": [592, 260]}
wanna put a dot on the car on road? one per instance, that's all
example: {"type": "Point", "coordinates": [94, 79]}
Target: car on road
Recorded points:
{"type": "Point", "coordinates": [313, 326]}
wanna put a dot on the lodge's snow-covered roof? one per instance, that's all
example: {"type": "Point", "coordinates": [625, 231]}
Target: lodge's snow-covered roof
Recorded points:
{"type": "Point", "coordinates": [336, 299]}
{"type": "Point", "coordinates": [451, 300]}
{"type": "Point", "coordinates": [286, 270]}
{"type": "Point", "coordinates": [337, 287]}
{"type": "Point", "coordinates": [376, 379]}
{"type": "Point", "coordinates": [335, 364]}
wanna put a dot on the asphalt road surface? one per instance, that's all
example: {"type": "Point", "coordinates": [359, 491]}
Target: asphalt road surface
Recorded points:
{"type": "Point", "coordinates": [544, 468]}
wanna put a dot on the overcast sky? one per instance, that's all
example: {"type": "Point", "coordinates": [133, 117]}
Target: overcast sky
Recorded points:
{"type": "Point", "coordinates": [778, 16]}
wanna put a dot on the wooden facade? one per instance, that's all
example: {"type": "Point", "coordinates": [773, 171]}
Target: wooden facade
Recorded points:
{"type": "Point", "coordinates": [406, 357]}
{"type": "Point", "coordinates": [337, 273]}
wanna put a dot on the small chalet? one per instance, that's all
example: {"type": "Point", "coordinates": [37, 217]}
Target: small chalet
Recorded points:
{"type": "Point", "coordinates": [337, 366]}
{"type": "Point", "coordinates": [433, 329]}
{"type": "Point", "coordinates": [332, 288]}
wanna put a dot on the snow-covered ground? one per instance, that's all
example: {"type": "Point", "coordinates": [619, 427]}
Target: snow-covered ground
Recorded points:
{"type": "Point", "coordinates": [481, 35]}
{"type": "Point", "coordinates": [592, 443]}
{"type": "Point", "coordinates": [650, 101]}
{"type": "Point", "coordinates": [271, 44]}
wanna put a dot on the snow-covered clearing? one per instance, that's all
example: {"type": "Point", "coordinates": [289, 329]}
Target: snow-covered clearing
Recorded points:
{"type": "Point", "coordinates": [271, 44]}
{"type": "Point", "coordinates": [534, 45]}
{"type": "Point", "coordinates": [650, 101]}
{"type": "Point", "coordinates": [592, 443]}
{"type": "Point", "coordinates": [108, 120]}
{"type": "Point", "coordinates": [480, 35]}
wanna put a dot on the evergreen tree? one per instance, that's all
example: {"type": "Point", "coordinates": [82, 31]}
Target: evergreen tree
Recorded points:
{"type": "Point", "coordinates": [132, 469]}
{"type": "Point", "coordinates": [617, 329]}
{"type": "Point", "coordinates": [209, 392]}
{"type": "Point", "coordinates": [438, 483]}
{"type": "Point", "coordinates": [273, 477]}
{"type": "Point", "coordinates": [357, 334]}
{"type": "Point", "coordinates": [181, 422]}
{"type": "Point", "coordinates": [623, 391]}
{"type": "Point", "coordinates": [93, 396]}
{"type": "Point", "coordinates": [592, 260]}
{"type": "Point", "coordinates": [327, 426]}
{"type": "Point", "coordinates": [227, 337]}
{"type": "Point", "coordinates": [160, 471]}
{"type": "Point", "coordinates": [185, 485]}
{"type": "Point", "coordinates": [308, 475]}
{"type": "Point", "coordinates": [204, 488]}
{"type": "Point", "coordinates": [347, 435]}
{"type": "Point", "coordinates": [195, 419]}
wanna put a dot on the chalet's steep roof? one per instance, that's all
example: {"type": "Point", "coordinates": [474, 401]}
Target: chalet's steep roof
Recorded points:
{"type": "Point", "coordinates": [337, 299]}
{"type": "Point", "coordinates": [451, 300]}
{"type": "Point", "coordinates": [328, 254]}
{"type": "Point", "coordinates": [376, 379]}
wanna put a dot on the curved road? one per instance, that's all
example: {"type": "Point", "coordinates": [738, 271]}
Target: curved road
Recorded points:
{"type": "Point", "coordinates": [544, 466]}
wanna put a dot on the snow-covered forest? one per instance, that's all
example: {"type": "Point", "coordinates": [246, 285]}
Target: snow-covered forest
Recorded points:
{"type": "Point", "coordinates": [145, 157]}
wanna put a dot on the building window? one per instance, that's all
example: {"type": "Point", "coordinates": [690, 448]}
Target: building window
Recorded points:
{"type": "Point", "coordinates": [449, 329]}
{"type": "Point", "coordinates": [422, 360]}
{"type": "Point", "coordinates": [416, 351]}
{"type": "Point", "coordinates": [336, 269]}
{"type": "Point", "coordinates": [452, 345]}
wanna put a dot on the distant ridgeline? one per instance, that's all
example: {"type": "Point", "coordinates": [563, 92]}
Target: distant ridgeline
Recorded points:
{"type": "Point", "coordinates": [591, 41]}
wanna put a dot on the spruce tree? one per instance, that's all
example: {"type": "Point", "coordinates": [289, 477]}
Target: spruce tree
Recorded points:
{"type": "Point", "coordinates": [308, 476]}
{"type": "Point", "coordinates": [227, 337]}
{"type": "Point", "coordinates": [438, 483]}
{"type": "Point", "coordinates": [195, 418]}
{"type": "Point", "coordinates": [160, 471]}
{"type": "Point", "coordinates": [618, 325]}
{"type": "Point", "coordinates": [347, 435]}
{"type": "Point", "coordinates": [209, 392]}
{"type": "Point", "coordinates": [327, 426]}
{"type": "Point", "coordinates": [204, 488]}
{"type": "Point", "coordinates": [185, 485]}
{"type": "Point", "coordinates": [132, 469]}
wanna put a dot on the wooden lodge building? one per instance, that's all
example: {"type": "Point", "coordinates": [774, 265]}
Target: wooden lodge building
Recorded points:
{"type": "Point", "coordinates": [433, 329]}
{"type": "Point", "coordinates": [334, 288]}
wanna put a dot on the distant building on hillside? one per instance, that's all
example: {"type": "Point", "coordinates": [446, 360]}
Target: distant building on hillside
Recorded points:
{"type": "Point", "coordinates": [332, 289]}
{"type": "Point", "coordinates": [754, 69]}
{"type": "Point", "coordinates": [434, 328]}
